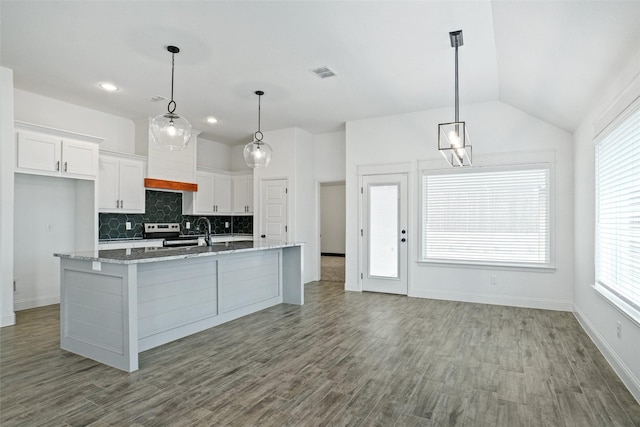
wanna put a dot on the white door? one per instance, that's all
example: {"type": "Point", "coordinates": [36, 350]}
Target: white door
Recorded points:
{"type": "Point", "coordinates": [273, 211]}
{"type": "Point", "coordinates": [384, 233]}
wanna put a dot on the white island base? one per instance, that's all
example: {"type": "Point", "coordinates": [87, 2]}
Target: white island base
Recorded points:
{"type": "Point", "coordinates": [113, 309]}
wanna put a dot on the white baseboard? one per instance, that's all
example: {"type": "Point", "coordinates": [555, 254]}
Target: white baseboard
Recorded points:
{"type": "Point", "coordinates": [8, 319]}
{"type": "Point", "coordinates": [26, 304]}
{"type": "Point", "coordinates": [545, 304]}
{"type": "Point", "coordinates": [619, 366]}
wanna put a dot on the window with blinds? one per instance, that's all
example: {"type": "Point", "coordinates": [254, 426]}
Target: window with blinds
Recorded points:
{"type": "Point", "coordinates": [618, 210]}
{"type": "Point", "coordinates": [496, 216]}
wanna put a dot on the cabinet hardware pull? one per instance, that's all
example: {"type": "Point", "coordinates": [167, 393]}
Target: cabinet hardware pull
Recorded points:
{"type": "Point", "coordinates": [117, 203]}
{"type": "Point", "coordinates": [58, 165]}
{"type": "Point", "coordinates": [65, 166]}
{"type": "Point", "coordinates": [121, 204]}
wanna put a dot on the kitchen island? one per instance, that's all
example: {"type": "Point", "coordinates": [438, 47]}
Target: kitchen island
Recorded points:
{"type": "Point", "coordinates": [117, 303]}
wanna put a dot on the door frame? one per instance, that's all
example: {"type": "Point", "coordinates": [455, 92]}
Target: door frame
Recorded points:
{"type": "Point", "coordinates": [318, 229]}
{"type": "Point", "coordinates": [394, 168]}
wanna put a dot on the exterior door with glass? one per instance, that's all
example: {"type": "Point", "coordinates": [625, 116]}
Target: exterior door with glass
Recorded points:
{"type": "Point", "coordinates": [384, 233]}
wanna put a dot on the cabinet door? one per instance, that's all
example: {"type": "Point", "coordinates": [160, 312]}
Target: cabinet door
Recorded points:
{"type": "Point", "coordinates": [250, 194]}
{"type": "Point", "coordinates": [204, 196]}
{"type": "Point", "coordinates": [79, 158]}
{"type": "Point", "coordinates": [108, 193]}
{"type": "Point", "coordinates": [240, 196]}
{"type": "Point", "coordinates": [38, 153]}
{"type": "Point", "coordinates": [131, 186]}
{"type": "Point", "coordinates": [222, 194]}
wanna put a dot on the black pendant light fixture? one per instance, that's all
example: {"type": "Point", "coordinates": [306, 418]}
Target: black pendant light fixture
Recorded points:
{"type": "Point", "coordinates": [453, 138]}
{"type": "Point", "coordinates": [169, 131]}
{"type": "Point", "coordinates": [257, 154]}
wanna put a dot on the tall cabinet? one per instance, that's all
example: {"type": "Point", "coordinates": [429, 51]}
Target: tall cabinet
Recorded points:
{"type": "Point", "coordinates": [243, 194]}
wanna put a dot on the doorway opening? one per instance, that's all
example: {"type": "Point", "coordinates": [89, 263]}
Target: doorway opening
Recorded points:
{"type": "Point", "coordinates": [332, 212]}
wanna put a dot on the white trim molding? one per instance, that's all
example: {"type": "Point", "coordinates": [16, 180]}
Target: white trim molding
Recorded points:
{"type": "Point", "coordinates": [25, 304]}
{"type": "Point", "coordinates": [626, 375]}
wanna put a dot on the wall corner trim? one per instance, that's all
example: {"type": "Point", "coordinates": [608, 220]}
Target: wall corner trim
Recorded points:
{"type": "Point", "coordinates": [619, 366]}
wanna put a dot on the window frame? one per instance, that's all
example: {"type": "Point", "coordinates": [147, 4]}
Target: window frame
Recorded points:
{"type": "Point", "coordinates": [537, 160]}
{"type": "Point", "coordinates": [631, 309]}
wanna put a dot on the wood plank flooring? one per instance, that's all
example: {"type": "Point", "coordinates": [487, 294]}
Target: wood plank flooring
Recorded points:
{"type": "Point", "coordinates": [342, 359]}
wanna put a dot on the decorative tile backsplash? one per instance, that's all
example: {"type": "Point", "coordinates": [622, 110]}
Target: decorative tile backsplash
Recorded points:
{"type": "Point", "coordinates": [163, 206]}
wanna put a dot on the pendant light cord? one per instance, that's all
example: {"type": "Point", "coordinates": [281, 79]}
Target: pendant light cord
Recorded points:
{"type": "Point", "coordinates": [456, 90]}
{"type": "Point", "coordinates": [259, 139]}
{"type": "Point", "coordinates": [171, 108]}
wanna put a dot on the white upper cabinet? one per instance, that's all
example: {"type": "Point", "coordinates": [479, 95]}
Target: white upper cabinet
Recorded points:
{"type": "Point", "coordinates": [41, 153]}
{"type": "Point", "coordinates": [212, 198]}
{"type": "Point", "coordinates": [121, 185]}
{"type": "Point", "coordinates": [243, 194]}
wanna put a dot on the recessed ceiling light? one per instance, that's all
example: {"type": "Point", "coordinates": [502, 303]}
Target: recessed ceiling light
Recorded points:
{"type": "Point", "coordinates": [109, 87]}
{"type": "Point", "coordinates": [212, 120]}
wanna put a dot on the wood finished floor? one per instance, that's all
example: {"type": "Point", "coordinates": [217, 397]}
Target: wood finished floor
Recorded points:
{"type": "Point", "coordinates": [341, 359]}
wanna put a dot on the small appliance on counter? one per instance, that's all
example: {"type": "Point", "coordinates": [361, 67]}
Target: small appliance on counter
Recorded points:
{"type": "Point", "coordinates": [170, 232]}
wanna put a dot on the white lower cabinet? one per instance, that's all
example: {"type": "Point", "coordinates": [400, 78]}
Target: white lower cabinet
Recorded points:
{"type": "Point", "coordinates": [121, 185]}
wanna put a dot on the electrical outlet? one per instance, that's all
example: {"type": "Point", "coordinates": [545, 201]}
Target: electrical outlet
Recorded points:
{"type": "Point", "coordinates": [49, 227]}
{"type": "Point", "coordinates": [493, 280]}
{"type": "Point", "coordinates": [187, 225]}
{"type": "Point", "coordinates": [619, 329]}
{"type": "Point", "coordinates": [226, 225]}
{"type": "Point", "coordinates": [127, 225]}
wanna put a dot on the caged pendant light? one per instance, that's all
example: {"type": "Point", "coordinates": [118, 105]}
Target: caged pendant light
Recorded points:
{"type": "Point", "coordinates": [169, 131]}
{"type": "Point", "coordinates": [453, 138]}
{"type": "Point", "coordinates": [257, 154]}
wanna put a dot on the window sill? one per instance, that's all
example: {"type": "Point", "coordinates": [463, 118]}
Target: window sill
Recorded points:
{"type": "Point", "coordinates": [619, 304]}
{"type": "Point", "coordinates": [488, 266]}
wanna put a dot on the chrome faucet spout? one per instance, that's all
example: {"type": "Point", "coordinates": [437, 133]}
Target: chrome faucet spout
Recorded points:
{"type": "Point", "coordinates": [207, 231]}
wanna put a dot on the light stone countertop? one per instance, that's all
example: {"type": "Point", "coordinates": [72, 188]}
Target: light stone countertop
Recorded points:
{"type": "Point", "coordinates": [143, 255]}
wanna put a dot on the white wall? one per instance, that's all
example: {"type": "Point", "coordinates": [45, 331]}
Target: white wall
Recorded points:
{"type": "Point", "coordinates": [45, 209]}
{"type": "Point", "coordinates": [597, 316]}
{"type": "Point", "coordinates": [117, 131]}
{"type": "Point", "coordinates": [7, 157]}
{"type": "Point", "coordinates": [292, 152]}
{"type": "Point", "coordinates": [213, 154]}
{"type": "Point", "coordinates": [494, 128]}
{"type": "Point", "coordinates": [329, 156]}
{"type": "Point", "coordinates": [332, 218]}
{"type": "Point", "coordinates": [237, 159]}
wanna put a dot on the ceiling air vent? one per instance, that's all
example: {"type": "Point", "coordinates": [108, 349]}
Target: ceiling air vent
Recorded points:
{"type": "Point", "coordinates": [156, 98]}
{"type": "Point", "coordinates": [323, 72]}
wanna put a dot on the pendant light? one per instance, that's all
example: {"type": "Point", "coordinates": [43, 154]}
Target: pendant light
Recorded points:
{"type": "Point", "coordinates": [453, 138]}
{"type": "Point", "coordinates": [169, 131]}
{"type": "Point", "coordinates": [257, 154]}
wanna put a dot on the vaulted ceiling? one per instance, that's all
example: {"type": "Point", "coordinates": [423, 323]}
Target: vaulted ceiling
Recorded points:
{"type": "Point", "coordinates": [547, 58]}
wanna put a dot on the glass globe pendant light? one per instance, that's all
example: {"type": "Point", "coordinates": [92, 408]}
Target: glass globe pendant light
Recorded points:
{"type": "Point", "coordinates": [169, 131]}
{"type": "Point", "coordinates": [257, 154]}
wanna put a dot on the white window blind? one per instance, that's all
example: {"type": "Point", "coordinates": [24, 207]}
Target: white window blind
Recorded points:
{"type": "Point", "coordinates": [618, 210]}
{"type": "Point", "coordinates": [498, 216]}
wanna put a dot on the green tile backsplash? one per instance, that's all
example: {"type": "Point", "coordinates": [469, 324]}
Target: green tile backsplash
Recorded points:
{"type": "Point", "coordinates": [163, 206]}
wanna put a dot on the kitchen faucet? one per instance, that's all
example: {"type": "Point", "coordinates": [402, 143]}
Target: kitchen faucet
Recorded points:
{"type": "Point", "coordinates": [207, 231]}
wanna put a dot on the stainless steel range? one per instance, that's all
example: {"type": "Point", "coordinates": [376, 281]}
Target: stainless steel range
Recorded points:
{"type": "Point", "coordinates": [170, 232]}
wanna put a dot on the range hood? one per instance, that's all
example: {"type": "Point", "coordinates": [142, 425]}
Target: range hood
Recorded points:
{"type": "Point", "coordinates": [167, 170]}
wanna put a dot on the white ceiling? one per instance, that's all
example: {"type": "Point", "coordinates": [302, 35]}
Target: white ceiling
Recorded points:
{"type": "Point", "coordinates": [548, 58]}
